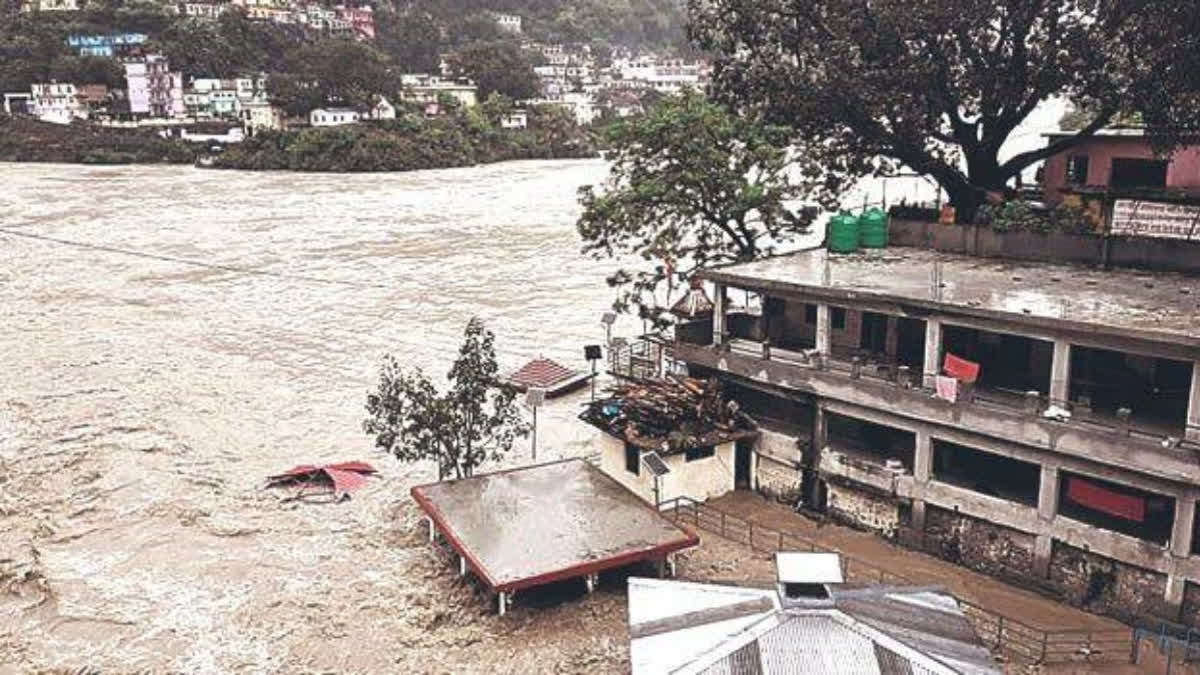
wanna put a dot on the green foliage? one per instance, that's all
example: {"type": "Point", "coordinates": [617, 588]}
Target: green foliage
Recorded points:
{"type": "Point", "coordinates": [26, 140]}
{"type": "Point", "coordinates": [1019, 216]}
{"type": "Point", "coordinates": [691, 185]}
{"type": "Point", "coordinates": [496, 67]}
{"type": "Point", "coordinates": [939, 85]}
{"type": "Point", "coordinates": [474, 421]}
{"type": "Point", "coordinates": [410, 142]}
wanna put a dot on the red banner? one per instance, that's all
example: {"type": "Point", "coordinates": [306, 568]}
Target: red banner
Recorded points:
{"type": "Point", "coordinates": [962, 369]}
{"type": "Point", "coordinates": [1104, 500]}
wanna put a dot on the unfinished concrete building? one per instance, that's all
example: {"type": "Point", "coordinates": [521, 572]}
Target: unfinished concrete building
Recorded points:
{"type": "Point", "coordinates": [1066, 456]}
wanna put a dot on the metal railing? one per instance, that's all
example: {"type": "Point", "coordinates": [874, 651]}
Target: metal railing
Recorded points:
{"type": "Point", "coordinates": [999, 632]}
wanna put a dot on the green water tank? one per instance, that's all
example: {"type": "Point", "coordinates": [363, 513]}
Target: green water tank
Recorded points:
{"type": "Point", "coordinates": [843, 233]}
{"type": "Point", "coordinates": [873, 229]}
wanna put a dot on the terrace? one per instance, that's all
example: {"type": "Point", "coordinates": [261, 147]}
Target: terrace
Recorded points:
{"type": "Point", "coordinates": [1106, 355]}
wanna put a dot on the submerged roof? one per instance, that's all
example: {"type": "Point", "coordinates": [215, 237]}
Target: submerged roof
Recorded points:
{"type": "Point", "coordinates": [871, 630]}
{"type": "Point", "coordinates": [542, 373]}
{"type": "Point", "coordinates": [1159, 306]}
{"type": "Point", "coordinates": [537, 524]}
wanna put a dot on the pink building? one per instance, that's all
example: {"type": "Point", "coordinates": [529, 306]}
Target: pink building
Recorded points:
{"type": "Point", "coordinates": [361, 19]}
{"type": "Point", "coordinates": [1121, 159]}
{"type": "Point", "coordinates": [153, 89]}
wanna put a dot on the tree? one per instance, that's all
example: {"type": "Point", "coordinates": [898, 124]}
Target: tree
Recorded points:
{"type": "Point", "coordinates": [691, 185]}
{"type": "Point", "coordinates": [498, 66]}
{"type": "Point", "coordinates": [476, 420]}
{"type": "Point", "coordinates": [939, 85]}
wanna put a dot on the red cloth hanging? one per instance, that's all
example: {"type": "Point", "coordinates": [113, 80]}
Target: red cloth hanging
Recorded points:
{"type": "Point", "coordinates": [962, 369]}
{"type": "Point", "coordinates": [1104, 500]}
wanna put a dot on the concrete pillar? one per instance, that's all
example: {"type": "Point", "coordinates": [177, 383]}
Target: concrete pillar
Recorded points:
{"type": "Point", "coordinates": [891, 341]}
{"type": "Point", "coordinates": [462, 566]}
{"type": "Point", "coordinates": [1048, 493]}
{"type": "Point", "coordinates": [1060, 374]}
{"type": "Point", "coordinates": [502, 598]}
{"type": "Point", "coordinates": [720, 302]}
{"type": "Point", "coordinates": [1043, 548]}
{"type": "Point", "coordinates": [432, 531]}
{"type": "Point", "coordinates": [671, 564]}
{"type": "Point", "coordinates": [824, 338]}
{"type": "Point", "coordinates": [923, 457]}
{"type": "Point", "coordinates": [918, 515]}
{"type": "Point", "coordinates": [933, 351]}
{"type": "Point", "coordinates": [1181, 533]}
{"type": "Point", "coordinates": [590, 580]}
{"type": "Point", "coordinates": [1193, 416]}
{"type": "Point", "coordinates": [1176, 585]}
{"type": "Point", "coordinates": [820, 433]}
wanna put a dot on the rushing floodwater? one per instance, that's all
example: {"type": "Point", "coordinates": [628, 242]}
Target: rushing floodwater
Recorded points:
{"type": "Point", "coordinates": [143, 400]}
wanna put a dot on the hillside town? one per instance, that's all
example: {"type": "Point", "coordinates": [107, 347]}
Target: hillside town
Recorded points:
{"type": "Point", "coordinates": [156, 95]}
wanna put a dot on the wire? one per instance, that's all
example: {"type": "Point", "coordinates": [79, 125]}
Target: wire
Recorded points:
{"type": "Point", "coordinates": [185, 261]}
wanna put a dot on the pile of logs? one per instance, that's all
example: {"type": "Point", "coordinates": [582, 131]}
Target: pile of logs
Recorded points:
{"type": "Point", "coordinates": [681, 411]}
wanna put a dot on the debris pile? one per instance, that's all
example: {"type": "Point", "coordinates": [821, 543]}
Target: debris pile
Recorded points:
{"type": "Point", "coordinates": [679, 411]}
{"type": "Point", "coordinates": [340, 479]}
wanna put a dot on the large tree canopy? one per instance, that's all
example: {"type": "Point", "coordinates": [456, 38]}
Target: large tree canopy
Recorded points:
{"type": "Point", "coordinates": [692, 185]}
{"type": "Point", "coordinates": [497, 66]}
{"type": "Point", "coordinates": [939, 85]}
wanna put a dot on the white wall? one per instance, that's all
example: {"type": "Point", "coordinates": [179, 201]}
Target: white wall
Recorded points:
{"type": "Point", "coordinates": [700, 479]}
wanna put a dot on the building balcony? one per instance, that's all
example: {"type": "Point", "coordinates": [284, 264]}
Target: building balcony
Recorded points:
{"type": "Point", "coordinates": [1009, 416]}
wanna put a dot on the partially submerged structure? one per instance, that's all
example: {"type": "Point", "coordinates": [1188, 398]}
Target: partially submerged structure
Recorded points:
{"type": "Point", "coordinates": [808, 624]}
{"type": "Point", "coordinates": [1072, 463]}
{"type": "Point", "coordinates": [552, 377]}
{"type": "Point", "coordinates": [673, 437]}
{"type": "Point", "coordinates": [539, 524]}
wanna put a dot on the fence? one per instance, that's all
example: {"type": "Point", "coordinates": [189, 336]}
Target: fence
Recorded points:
{"type": "Point", "coordinates": [1180, 652]}
{"type": "Point", "coordinates": [997, 631]}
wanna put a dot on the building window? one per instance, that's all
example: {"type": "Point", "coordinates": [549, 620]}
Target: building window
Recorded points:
{"type": "Point", "coordinates": [1077, 170]}
{"type": "Point", "coordinates": [702, 452]}
{"type": "Point", "coordinates": [838, 318]}
{"type": "Point", "coordinates": [1138, 173]}
{"type": "Point", "coordinates": [810, 314]}
{"type": "Point", "coordinates": [633, 459]}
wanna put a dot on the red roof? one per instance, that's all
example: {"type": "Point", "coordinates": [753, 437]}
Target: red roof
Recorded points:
{"type": "Point", "coordinates": [541, 373]}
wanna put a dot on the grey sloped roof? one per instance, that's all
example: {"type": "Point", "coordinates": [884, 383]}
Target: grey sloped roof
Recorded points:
{"type": "Point", "coordinates": [871, 631]}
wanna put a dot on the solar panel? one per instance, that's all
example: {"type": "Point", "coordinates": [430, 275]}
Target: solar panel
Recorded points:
{"type": "Point", "coordinates": [655, 463]}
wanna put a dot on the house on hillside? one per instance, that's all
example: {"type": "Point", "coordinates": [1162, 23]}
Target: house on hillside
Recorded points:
{"type": "Point", "coordinates": [57, 102]}
{"type": "Point", "coordinates": [674, 437]}
{"type": "Point", "coordinates": [422, 88]}
{"type": "Point", "coordinates": [383, 110]}
{"type": "Point", "coordinates": [332, 117]}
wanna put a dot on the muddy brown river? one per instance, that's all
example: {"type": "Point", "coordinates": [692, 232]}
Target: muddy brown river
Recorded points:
{"type": "Point", "coordinates": [170, 336]}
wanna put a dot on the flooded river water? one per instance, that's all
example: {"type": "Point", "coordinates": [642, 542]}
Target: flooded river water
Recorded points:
{"type": "Point", "coordinates": [144, 398]}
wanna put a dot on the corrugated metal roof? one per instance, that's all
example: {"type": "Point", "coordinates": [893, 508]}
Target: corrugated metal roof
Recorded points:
{"type": "Point", "coordinates": [874, 631]}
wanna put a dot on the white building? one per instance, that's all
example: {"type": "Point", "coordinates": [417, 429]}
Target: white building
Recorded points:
{"type": "Point", "coordinates": [509, 22]}
{"type": "Point", "coordinates": [50, 6]}
{"type": "Point", "coordinates": [57, 103]}
{"type": "Point", "coordinates": [383, 110]}
{"type": "Point", "coordinates": [18, 103]}
{"type": "Point", "coordinates": [261, 116]}
{"type": "Point", "coordinates": [204, 10]}
{"type": "Point", "coordinates": [517, 119]}
{"type": "Point", "coordinates": [669, 76]}
{"type": "Point", "coordinates": [333, 117]}
{"type": "Point", "coordinates": [423, 88]}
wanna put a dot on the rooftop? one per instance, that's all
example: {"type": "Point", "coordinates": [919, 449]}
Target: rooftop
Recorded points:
{"type": "Point", "coordinates": [681, 627]}
{"type": "Point", "coordinates": [670, 414]}
{"type": "Point", "coordinates": [537, 524]}
{"type": "Point", "coordinates": [1158, 306]}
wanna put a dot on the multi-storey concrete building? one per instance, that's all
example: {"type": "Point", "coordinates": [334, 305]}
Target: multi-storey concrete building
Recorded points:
{"type": "Point", "coordinates": [57, 102]}
{"type": "Point", "coordinates": [1071, 463]}
{"type": "Point", "coordinates": [153, 89]}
